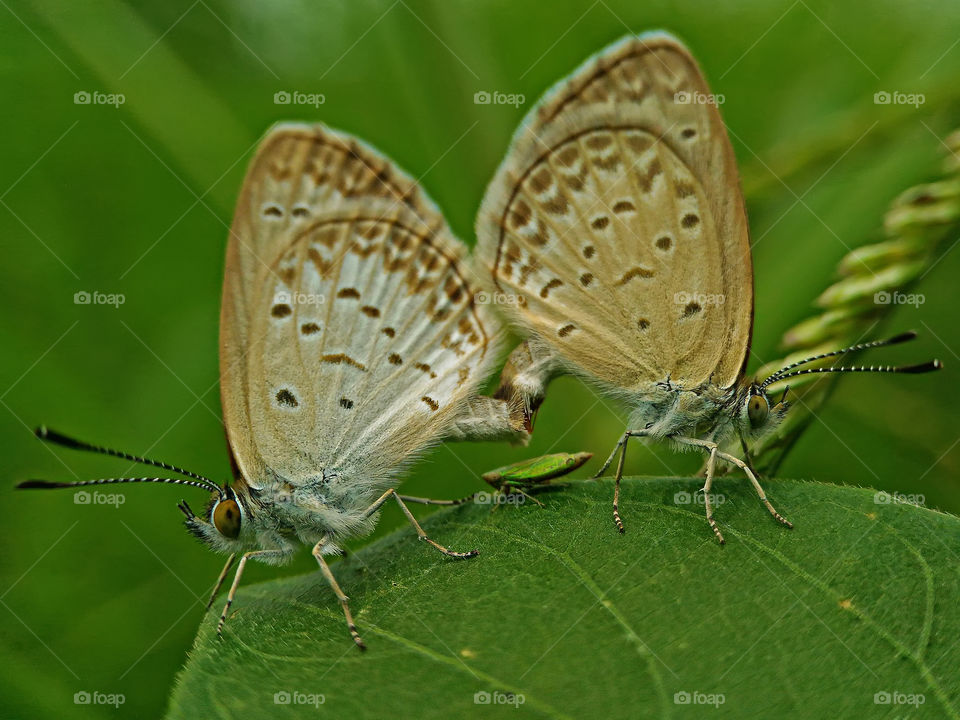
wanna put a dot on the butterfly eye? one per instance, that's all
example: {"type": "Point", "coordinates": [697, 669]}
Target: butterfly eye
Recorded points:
{"type": "Point", "coordinates": [226, 518]}
{"type": "Point", "coordinates": [757, 410]}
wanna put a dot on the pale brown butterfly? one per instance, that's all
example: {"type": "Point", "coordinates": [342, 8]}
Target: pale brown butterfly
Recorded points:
{"type": "Point", "coordinates": [351, 340]}
{"type": "Point", "coordinates": [617, 223]}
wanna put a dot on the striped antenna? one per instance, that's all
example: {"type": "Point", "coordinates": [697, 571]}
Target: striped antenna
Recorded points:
{"type": "Point", "coordinates": [51, 436]}
{"type": "Point", "coordinates": [50, 485]}
{"type": "Point", "coordinates": [784, 372]}
{"type": "Point", "coordinates": [926, 367]}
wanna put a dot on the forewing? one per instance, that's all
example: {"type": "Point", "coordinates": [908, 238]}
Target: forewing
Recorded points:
{"type": "Point", "coordinates": [617, 219]}
{"type": "Point", "coordinates": [349, 336]}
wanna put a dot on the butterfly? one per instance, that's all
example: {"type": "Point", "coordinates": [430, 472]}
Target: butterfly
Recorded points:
{"type": "Point", "coordinates": [350, 341]}
{"type": "Point", "coordinates": [617, 226]}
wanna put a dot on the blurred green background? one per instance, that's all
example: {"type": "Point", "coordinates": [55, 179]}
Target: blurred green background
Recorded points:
{"type": "Point", "coordinates": [136, 199]}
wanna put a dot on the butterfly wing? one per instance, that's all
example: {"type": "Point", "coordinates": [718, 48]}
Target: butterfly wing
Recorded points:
{"type": "Point", "coordinates": [617, 217]}
{"type": "Point", "coordinates": [350, 338]}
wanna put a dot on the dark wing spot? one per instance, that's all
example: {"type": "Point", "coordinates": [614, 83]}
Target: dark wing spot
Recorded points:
{"type": "Point", "coordinates": [624, 206]}
{"type": "Point", "coordinates": [545, 290]}
{"type": "Point", "coordinates": [287, 398]}
{"type": "Point", "coordinates": [309, 328]}
{"type": "Point", "coordinates": [346, 404]}
{"type": "Point", "coordinates": [688, 133]}
{"type": "Point", "coordinates": [664, 242]}
{"type": "Point", "coordinates": [370, 311]}
{"type": "Point", "coordinates": [273, 210]}
{"type": "Point", "coordinates": [395, 359]}
{"type": "Point", "coordinates": [637, 272]}
{"type": "Point", "coordinates": [600, 223]}
{"type": "Point", "coordinates": [424, 368]}
{"type": "Point", "coordinates": [389, 332]}
{"type": "Point", "coordinates": [281, 310]}
{"type": "Point", "coordinates": [690, 220]}
{"type": "Point", "coordinates": [643, 324]}
{"type": "Point", "coordinates": [589, 251]}
{"type": "Point", "coordinates": [586, 279]}
{"type": "Point", "coordinates": [348, 293]}
{"type": "Point", "coordinates": [300, 211]}
{"type": "Point", "coordinates": [691, 309]}
{"type": "Point", "coordinates": [566, 330]}
{"type": "Point", "coordinates": [342, 359]}
{"type": "Point", "coordinates": [683, 189]}
{"type": "Point", "coordinates": [431, 403]}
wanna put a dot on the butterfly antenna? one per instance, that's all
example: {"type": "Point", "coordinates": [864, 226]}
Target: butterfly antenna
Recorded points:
{"type": "Point", "coordinates": [926, 367]}
{"type": "Point", "coordinates": [51, 436]}
{"type": "Point", "coordinates": [50, 485]}
{"type": "Point", "coordinates": [784, 372]}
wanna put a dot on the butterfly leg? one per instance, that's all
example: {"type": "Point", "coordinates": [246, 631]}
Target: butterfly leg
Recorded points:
{"type": "Point", "coordinates": [219, 583]}
{"type": "Point", "coordinates": [431, 501]}
{"type": "Point", "coordinates": [344, 600]}
{"type": "Point", "coordinates": [756, 485]}
{"type": "Point", "coordinates": [708, 483]}
{"type": "Point", "coordinates": [714, 450]}
{"type": "Point", "coordinates": [622, 447]}
{"type": "Point", "coordinates": [236, 582]}
{"type": "Point", "coordinates": [413, 521]}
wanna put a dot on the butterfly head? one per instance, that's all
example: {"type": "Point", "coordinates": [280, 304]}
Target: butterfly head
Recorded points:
{"type": "Point", "coordinates": [758, 412]}
{"type": "Point", "coordinates": [226, 524]}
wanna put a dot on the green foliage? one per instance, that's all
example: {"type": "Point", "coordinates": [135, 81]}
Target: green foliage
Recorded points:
{"type": "Point", "coordinates": [858, 599]}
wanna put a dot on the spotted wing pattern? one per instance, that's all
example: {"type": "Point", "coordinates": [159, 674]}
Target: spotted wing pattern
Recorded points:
{"type": "Point", "coordinates": [350, 336]}
{"type": "Point", "coordinates": [617, 221]}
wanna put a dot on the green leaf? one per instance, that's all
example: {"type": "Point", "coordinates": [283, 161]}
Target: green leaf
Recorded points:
{"type": "Point", "coordinates": [578, 621]}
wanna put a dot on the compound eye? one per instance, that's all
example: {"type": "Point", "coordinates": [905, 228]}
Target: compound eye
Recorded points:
{"type": "Point", "coordinates": [226, 518]}
{"type": "Point", "coordinates": [757, 410]}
